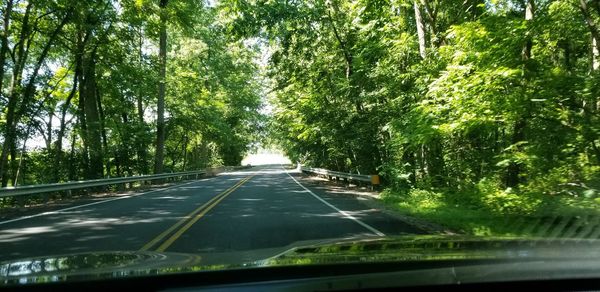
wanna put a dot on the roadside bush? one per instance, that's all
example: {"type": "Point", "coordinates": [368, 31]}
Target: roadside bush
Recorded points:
{"type": "Point", "coordinates": [422, 199]}
{"type": "Point", "coordinates": [505, 201]}
{"type": "Point", "coordinates": [426, 199]}
{"type": "Point", "coordinates": [510, 202]}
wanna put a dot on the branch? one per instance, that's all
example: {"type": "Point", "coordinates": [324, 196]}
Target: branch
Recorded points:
{"type": "Point", "coordinates": [428, 10]}
{"type": "Point", "coordinates": [588, 19]}
{"type": "Point", "coordinates": [31, 84]}
{"type": "Point", "coordinates": [341, 43]}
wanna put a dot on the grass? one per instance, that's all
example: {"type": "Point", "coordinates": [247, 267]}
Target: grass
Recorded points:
{"type": "Point", "coordinates": [501, 214]}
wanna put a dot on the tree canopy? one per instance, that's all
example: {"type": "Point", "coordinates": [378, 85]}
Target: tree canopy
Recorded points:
{"type": "Point", "coordinates": [87, 78]}
{"type": "Point", "coordinates": [435, 94]}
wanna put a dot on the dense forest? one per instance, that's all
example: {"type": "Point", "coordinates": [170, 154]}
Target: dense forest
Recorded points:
{"type": "Point", "coordinates": [496, 96]}
{"type": "Point", "coordinates": [93, 89]}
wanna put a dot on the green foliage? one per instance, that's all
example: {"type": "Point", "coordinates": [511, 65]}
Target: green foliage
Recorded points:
{"type": "Point", "coordinates": [508, 202]}
{"type": "Point", "coordinates": [499, 114]}
{"type": "Point", "coordinates": [352, 93]}
{"type": "Point", "coordinates": [500, 118]}
{"type": "Point", "coordinates": [212, 102]}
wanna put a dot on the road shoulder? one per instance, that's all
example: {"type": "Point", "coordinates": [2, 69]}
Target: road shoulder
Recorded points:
{"type": "Point", "coordinates": [367, 197]}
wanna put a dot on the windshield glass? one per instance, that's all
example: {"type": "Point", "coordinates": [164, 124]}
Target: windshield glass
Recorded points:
{"type": "Point", "coordinates": [242, 132]}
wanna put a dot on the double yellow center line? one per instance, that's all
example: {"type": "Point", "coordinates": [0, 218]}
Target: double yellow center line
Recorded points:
{"type": "Point", "coordinates": [190, 219]}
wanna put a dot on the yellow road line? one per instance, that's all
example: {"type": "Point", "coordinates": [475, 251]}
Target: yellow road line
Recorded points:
{"type": "Point", "coordinates": [161, 236]}
{"type": "Point", "coordinates": [183, 229]}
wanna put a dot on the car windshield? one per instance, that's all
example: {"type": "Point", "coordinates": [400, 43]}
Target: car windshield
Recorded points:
{"type": "Point", "coordinates": [228, 133]}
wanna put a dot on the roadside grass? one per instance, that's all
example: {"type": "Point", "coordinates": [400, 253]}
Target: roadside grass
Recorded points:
{"type": "Point", "coordinates": [500, 213]}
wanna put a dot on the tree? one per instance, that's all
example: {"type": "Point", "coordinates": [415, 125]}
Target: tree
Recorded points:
{"type": "Point", "coordinates": [160, 108]}
{"type": "Point", "coordinates": [81, 75]}
{"type": "Point", "coordinates": [431, 94]}
{"type": "Point", "coordinates": [21, 92]}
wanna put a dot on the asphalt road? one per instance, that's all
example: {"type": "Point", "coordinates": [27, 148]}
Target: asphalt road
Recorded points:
{"type": "Point", "coordinates": [233, 217]}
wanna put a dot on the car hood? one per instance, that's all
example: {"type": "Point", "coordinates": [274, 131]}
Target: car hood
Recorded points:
{"type": "Point", "coordinates": [436, 248]}
{"type": "Point", "coordinates": [403, 249]}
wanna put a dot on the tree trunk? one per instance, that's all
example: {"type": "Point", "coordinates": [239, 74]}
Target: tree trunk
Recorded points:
{"type": "Point", "coordinates": [124, 149]}
{"type": "Point", "coordinates": [526, 52]}
{"type": "Point", "coordinates": [9, 139]}
{"type": "Point", "coordinates": [420, 30]}
{"type": "Point", "coordinates": [185, 153]}
{"type": "Point", "coordinates": [92, 116]}
{"type": "Point", "coordinates": [594, 31]}
{"type": "Point", "coordinates": [18, 172]}
{"type": "Point", "coordinates": [432, 19]}
{"type": "Point", "coordinates": [593, 105]}
{"type": "Point", "coordinates": [409, 160]}
{"type": "Point", "coordinates": [141, 147]}
{"type": "Point", "coordinates": [160, 105]}
{"type": "Point", "coordinates": [61, 131]}
{"type": "Point", "coordinates": [435, 163]}
{"type": "Point", "coordinates": [10, 131]}
{"type": "Point", "coordinates": [71, 164]}
{"type": "Point", "coordinates": [83, 130]}
{"type": "Point", "coordinates": [4, 47]}
{"type": "Point", "coordinates": [14, 164]}
{"type": "Point", "coordinates": [595, 54]}
{"type": "Point", "coordinates": [142, 153]}
{"type": "Point", "coordinates": [102, 127]}
{"type": "Point", "coordinates": [79, 58]}
{"type": "Point", "coordinates": [514, 169]}
{"type": "Point", "coordinates": [48, 138]}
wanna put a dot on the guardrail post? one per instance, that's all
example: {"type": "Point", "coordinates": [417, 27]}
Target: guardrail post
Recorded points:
{"type": "Point", "coordinates": [21, 201]}
{"type": "Point", "coordinates": [375, 182]}
{"type": "Point", "coordinates": [121, 187]}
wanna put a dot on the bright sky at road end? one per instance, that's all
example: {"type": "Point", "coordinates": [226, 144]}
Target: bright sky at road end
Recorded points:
{"type": "Point", "coordinates": [264, 158]}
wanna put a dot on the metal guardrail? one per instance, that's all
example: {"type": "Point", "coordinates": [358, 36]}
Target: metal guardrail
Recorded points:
{"type": "Point", "coordinates": [73, 185]}
{"type": "Point", "coordinates": [373, 179]}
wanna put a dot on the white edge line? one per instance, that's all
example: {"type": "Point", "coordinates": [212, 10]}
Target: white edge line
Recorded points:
{"type": "Point", "coordinates": [94, 203]}
{"type": "Point", "coordinates": [363, 224]}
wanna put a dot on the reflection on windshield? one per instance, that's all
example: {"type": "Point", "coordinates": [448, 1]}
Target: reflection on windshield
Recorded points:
{"type": "Point", "coordinates": [399, 250]}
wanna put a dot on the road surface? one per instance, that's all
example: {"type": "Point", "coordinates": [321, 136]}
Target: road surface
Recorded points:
{"type": "Point", "coordinates": [238, 216]}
